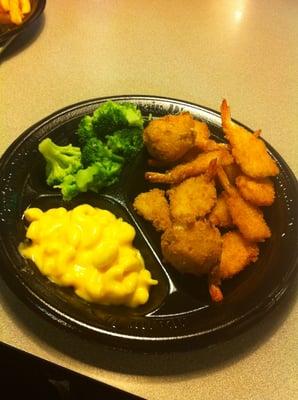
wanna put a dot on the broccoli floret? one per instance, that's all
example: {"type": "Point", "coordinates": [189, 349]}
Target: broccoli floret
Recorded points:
{"type": "Point", "coordinates": [126, 142]}
{"type": "Point", "coordinates": [95, 177]}
{"type": "Point", "coordinates": [98, 175]}
{"type": "Point", "coordinates": [60, 160]}
{"type": "Point", "coordinates": [111, 116]}
{"type": "Point", "coordinates": [69, 188]}
{"type": "Point", "coordinates": [95, 150]}
{"type": "Point", "coordinates": [108, 138]}
{"type": "Point", "coordinates": [85, 130]}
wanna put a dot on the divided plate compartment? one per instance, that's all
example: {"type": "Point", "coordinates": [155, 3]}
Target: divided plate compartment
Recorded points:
{"type": "Point", "coordinates": [179, 312]}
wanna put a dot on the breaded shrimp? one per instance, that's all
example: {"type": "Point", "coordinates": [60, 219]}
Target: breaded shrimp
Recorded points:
{"type": "Point", "coordinates": [202, 138]}
{"type": "Point", "coordinates": [232, 171]}
{"type": "Point", "coordinates": [153, 206]}
{"type": "Point", "coordinates": [237, 253]}
{"type": "Point", "coordinates": [168, 138]}
{"type": "Point", "coordinates": [220, 215]}
{"type": "Point", "coordinates": [248, 218]}
{"type": "Point", "coordinates": [194, 197]}
{"type": "Point", "coordinates": [258, 192]}
{"type": "Point", "coordinates": [193, 249]}
{"type": "Point", "coordinates": [192, 168]}
{"type": "Point", "coordinates": [249, 151]}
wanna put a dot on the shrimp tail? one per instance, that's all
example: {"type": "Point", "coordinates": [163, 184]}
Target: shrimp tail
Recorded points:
{"type": "Point", "coordinates": [214, 283]}
{"type": "Point", "coordinates": [157, 177]}
{"type": "Point", "coordinates": [224, 180]}
{"type": "Point", "coordinates": [211, 171]}
{"type": "Point", "coordinates": [225, 114]}
{"type": "Point", "coordinates": [257, 133]}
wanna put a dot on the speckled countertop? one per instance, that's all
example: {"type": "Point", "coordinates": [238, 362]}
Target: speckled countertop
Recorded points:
{"type": "Point", "coordinates": [199, 51]}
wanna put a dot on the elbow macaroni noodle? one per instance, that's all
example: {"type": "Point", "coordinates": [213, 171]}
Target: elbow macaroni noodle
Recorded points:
{"type": "Point", "coordinates": [91, 250]}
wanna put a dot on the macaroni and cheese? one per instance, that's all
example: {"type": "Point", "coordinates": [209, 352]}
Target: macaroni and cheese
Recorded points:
{"type": "Point", "coordinates": [89, 249]}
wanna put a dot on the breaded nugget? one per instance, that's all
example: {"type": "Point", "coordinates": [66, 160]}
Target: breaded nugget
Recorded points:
{"type": "Point", "coordinates": [237, 253]}
{"type": "Point", "coordinates": [248, 218]}
{"type": "Point", "coordinates": [191, 199]}
{"type": "Point", "coordinates": [192, 168]}
{"type": "Point", "coordinates": [220, 215]}
{"type": "Point", "coordinates": [202, 139]}
{"type": "Point", "coordinates": [168, 138]}
{"type": "Point", "coordinates": [153, 206]}
{"type": "Point", "coordinates": [258, 192]}
{"type": "Point", "coordinates": [193, 249]}
{"type": "Point", "coordinates": [249, 151]}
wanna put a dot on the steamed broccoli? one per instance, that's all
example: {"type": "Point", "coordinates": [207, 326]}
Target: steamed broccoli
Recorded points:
{"type": "Point", "coordinates": [98, 175]}
{"type": "Point", "coordinates": [60, 160]}
{"type": "Point", "coordinates": [108, 138]}
{"type": "Point", "coordinates": [85, 130]}
{"type": "Point", "coordinates": [111, 116]}
{"type": "Point", "coordinates": [69, 187]}
{"type": "Point", "coordinates": [95, 177]}
{"type": "Point", "coordinates": [126, 142]}
{"type": "Point", "coordinates": [95, 150]}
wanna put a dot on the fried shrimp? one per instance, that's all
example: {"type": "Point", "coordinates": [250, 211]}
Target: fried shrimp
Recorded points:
{"type": "Point", "coordinates": [194, 197]}
{"type": "Point", "coordinates": [237, 253]}
{"type": "Point", "coordinates": [248, 150]}
{"type": "Point", "coordinates": [202, 138]}
{"type": "Point", "coordinates": [191, 199]}
{"type": "Point", "coordinates": [153, 207]}
{"type": "Point", "coordinates": [248, 218]}
{"type": "Point", "coordinates": [232, 171]}
{"type": "Point", "coordinates": [220, 215]}
{"type": "Point", "coordinates": [258, 192]}
{"type": "Point", "coordinates": [210, 216]}
{"type": "Point", "coordinates": [168, 138]}
{"type": "Point", "coordinates": [194, 249]}
{"type": "Point", "coordinates": [192, 168]}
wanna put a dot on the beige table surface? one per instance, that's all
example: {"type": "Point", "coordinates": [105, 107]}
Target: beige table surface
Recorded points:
{"type": "Point", "coordinates": [199, 51]}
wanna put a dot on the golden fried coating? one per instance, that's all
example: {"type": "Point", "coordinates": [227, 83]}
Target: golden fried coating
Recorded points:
{"type": "Point", "coordinates": [248, 218]}
{"type": "Point", "coordinates": [201, 130]}
{"type": "Point", "coordinates": [202, 139]}
{"type": "Point", "coordinates": [237, 253]}
{"type": "Point", "coordinates": [248, 150]}
{"type": "Point", "coordinates": [153, 206]}
{"type": "Point", "coordinates": [192, 168]}
{"type": "Point", "coordinates": [191, 214]}
{"type": "Point", "coordinates": [232, 171]}
{"type": "Point", "coordinates": [220, 215]}
{"type": "Point", "coordinates": [193, 249]}
{"type": "Point", "coordinates": [258, 192]}
{"type": "Point", "coordinates": [191, 199]}
{"type": "Point", "coordinates": [168, 138]}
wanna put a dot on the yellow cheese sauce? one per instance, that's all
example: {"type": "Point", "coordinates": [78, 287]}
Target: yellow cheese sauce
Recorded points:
{"type": "Point", "coordinates": [89, 249]}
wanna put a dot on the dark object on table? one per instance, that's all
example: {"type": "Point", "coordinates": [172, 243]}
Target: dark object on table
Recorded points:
{"type": "Point", "coordinates": [28, 377]}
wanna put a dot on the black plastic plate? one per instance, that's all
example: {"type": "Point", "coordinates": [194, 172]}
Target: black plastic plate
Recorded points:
{"type": "Point", "coordinates": [179, 312]}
